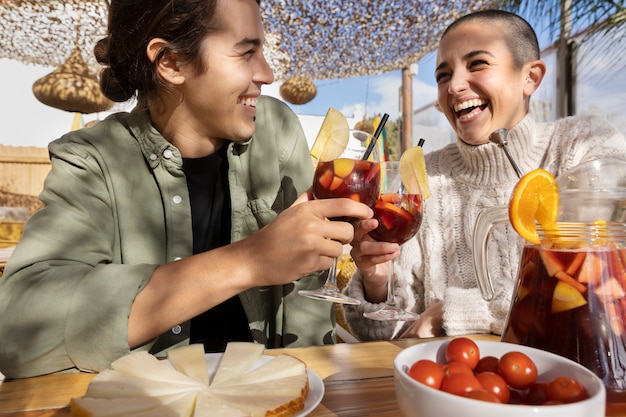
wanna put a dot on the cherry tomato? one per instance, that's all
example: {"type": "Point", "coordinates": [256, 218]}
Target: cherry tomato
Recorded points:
{"type": "Point", "coordinates": [464, 350]}
{"type": "Point", "coordinates": [457, 368]}
{"type": "Point", "coordinates": [427, 372]}
{"type": "Point", "coordinates": [487, 364]}
{"type": "Point", "coordinates": [517, 397]}
{"type": "Point", "coordinates": [482, 395]}
{"type": "Point", "coordinates": [567, 390]}
{"type": "Point", "coordinates": [537, 393]}
{"type": "Point", "coordinates": [517, 369]}
{"type": "Point", "coordinates": [496, 385]}
{"type": "Point", "coordinates": [459, 383]}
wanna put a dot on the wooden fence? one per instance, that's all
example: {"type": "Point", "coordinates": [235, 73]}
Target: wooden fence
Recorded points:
{"type": "Point", "coordinates": [23, 169]}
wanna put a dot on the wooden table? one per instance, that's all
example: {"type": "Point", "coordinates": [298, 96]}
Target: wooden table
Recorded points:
{"type": "Point", "coordinates": [358, 379]}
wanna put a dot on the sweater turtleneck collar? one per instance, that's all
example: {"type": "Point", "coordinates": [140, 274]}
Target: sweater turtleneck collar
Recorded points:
{"type": "Point", "coordinates": [488, 163]}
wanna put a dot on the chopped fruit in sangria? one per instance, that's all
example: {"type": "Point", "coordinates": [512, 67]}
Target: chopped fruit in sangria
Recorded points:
{"type": "Point", "coordinates": [565, 297]}
{"type": "Point", "coordinates": [591, 269]}
{"type": "Point", "coordinates": [552, 262]}
{"type": "Point", "coordinates": [399, 217]}
{"type": "Point", "coordinates": [576, 262]}
{"type": "Point", "coordinates": [610, 290]}
{"type": "Point", "coordinates": [347, 178]}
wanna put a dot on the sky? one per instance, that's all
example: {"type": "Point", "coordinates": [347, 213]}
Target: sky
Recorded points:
{"type": "Point", "coordinates": [27, 122]}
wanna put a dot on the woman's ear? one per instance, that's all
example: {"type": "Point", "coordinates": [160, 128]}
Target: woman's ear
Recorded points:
{"type": "Point", "coordinates": [534, 75]}
{"type": "Point", "coordinates": [167, 66]}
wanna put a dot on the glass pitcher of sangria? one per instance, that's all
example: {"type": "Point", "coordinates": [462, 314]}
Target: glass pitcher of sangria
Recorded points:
{"type": "Point", "coordinates": [570, 294]}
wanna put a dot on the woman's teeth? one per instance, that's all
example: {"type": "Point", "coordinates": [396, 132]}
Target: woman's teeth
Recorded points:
{"type": "Point", "coordinates": [467, 104]}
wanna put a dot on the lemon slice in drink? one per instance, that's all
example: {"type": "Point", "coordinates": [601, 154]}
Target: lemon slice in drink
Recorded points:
{"type": "Point", "coordinates": [413, 171]}
{"type": "Point", "coordinates": [332, 137]}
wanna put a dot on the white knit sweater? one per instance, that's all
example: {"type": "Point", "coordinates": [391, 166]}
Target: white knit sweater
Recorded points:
{"type": "Point", "coordinates": [437, 264]}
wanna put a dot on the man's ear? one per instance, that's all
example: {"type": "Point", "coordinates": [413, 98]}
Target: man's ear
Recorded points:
{"type": "Point", "coordinates": [168, 65]}
{"type": "Point", "coordinates": [535, 73]}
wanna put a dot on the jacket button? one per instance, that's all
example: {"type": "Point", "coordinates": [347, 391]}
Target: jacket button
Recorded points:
{"type": "Point", "coordinates": [177, 329]}
{"type": "Point", "coordinates": [177, 199]}
{"type": "Point", "coordinates": [167, 154]}
{"type": "Point", "coordinates": [153, 157]}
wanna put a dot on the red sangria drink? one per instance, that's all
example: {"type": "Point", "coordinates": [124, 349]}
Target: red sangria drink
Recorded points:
{"type": "Point", "coordinates": [399, 217]}
{"type": "Point", "coordinates": [399, 214]}
{"type": "Point", "coordinates": [349, 178]}
{"type": "Point", "coordinates": [570, 299]}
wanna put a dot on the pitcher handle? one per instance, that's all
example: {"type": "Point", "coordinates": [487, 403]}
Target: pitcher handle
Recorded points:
{"type": "Point", "coordinates": [484, 223]}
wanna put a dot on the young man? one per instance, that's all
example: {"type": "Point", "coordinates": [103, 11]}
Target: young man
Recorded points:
{"type": "Point", "coordinates": [177, 222]}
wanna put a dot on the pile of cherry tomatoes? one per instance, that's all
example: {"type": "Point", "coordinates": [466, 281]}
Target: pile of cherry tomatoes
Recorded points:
{"type": "Point", "coordinates": [510, 379]}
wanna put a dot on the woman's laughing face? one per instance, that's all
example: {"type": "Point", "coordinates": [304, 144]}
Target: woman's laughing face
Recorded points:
{"type": "Point", "coordinates": [479, 88]}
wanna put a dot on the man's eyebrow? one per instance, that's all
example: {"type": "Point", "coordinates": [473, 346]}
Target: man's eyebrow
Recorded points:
{"type": "Point", "coordinates": [469, 55]}
{"type": "Point", "coordinates": [247, 42]}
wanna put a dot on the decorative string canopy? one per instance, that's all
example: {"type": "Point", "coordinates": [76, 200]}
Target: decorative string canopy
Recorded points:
{"type": "Point", "coordinates": [307, 38]}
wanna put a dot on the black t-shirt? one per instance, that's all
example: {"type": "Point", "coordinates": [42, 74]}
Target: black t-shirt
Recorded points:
{"type": "Point", "coordinates": [207, 181]}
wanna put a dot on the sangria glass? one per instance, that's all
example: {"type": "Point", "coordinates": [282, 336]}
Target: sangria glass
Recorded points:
{"type": "Point", "coordinates": [348, 176]}
{"type": "Point", "coordinates": [399, 216]}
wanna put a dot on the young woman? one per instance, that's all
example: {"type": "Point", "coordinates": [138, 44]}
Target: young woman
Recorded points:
{"type": "Point", "coordinates": [179, 221]}
{"type": "Point", "coordinates": [488, 66]}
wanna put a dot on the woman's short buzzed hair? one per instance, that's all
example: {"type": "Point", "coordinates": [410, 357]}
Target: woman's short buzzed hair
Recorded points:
{"type": "Point", "coordinates": [519, 34]}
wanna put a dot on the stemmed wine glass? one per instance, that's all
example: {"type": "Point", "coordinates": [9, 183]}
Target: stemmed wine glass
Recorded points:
{"type": "Point", "coordinates": [348, 176]}
{"type": "Point", "coordinates": [399, 216]}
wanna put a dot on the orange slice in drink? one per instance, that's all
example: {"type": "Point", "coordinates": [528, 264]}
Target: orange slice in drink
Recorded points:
{"type": "Point", "coordinates": [413, 171]}
{"type": "Point", "coordinates": [332, 138]}
{"type": "Point", "coordinates": [535, 199]}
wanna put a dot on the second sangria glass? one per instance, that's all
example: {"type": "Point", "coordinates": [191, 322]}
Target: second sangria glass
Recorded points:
{"type": "Point", "coordinates": [399, 214]}
{"type": "Point", "coordinates": [348, 176]}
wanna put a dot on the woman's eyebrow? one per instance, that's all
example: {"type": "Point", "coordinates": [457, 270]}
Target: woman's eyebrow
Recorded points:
{"type": "Point", "coordinates": [469, 55]}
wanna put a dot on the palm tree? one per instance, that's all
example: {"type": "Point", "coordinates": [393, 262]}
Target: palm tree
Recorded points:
{"type": "Point", "coordinates": [572, 23]}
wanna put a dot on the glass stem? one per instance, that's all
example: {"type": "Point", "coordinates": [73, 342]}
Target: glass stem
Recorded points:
{"type": "Point", "coordinates": [391, 293]}
{"type": "Point", "coordinates": [331, 279]}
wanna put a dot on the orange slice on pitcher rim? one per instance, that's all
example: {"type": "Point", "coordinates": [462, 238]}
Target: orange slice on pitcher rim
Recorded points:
{"type": "Point", "coordinates": [535, 200]}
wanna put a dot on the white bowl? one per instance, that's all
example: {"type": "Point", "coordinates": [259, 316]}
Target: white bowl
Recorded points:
{"type": "Point", "coordinates": [418, 400]}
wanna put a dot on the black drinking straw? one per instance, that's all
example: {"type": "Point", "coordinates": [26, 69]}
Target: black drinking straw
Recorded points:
{"type": "Point", "coordinates": [379, 130]}
{"type": "Point", "coordinates": [420, 143]}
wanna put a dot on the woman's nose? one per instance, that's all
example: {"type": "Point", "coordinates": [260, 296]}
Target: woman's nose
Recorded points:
{"type": "Point", "coordinates": [458, 83]}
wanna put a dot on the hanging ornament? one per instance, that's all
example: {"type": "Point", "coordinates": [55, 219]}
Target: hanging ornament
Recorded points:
{"type": "Point", "coordinates": [365, 126]}
{"type": "Point", "coordinates": [72, 87]}
{"type": "Point", "coordinates": [298, 90]}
